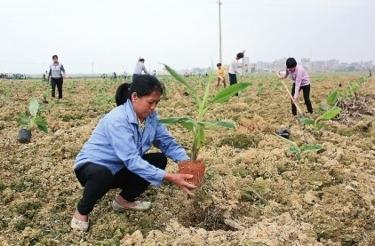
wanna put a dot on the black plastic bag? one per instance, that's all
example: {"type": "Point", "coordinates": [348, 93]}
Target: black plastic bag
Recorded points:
{"type": "Point", "coordinates": [283, 132]}
{"type": "Point", "coordinates": [24, 136]}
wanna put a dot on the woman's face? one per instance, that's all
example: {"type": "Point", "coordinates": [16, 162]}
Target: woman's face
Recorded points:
{"type": "Point", "coordinates": [144, 106]}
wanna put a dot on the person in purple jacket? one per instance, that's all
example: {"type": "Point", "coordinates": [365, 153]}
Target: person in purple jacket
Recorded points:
{"type": "Point", "coordinates": [301, 81]}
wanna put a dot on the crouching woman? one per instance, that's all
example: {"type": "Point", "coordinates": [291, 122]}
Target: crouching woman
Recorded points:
{"type": "Point", "coordinates": [115, 155]}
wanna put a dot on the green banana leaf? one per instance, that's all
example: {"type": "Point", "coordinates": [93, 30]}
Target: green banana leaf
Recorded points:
{"type": "Point", "coordinates": [41, 123]}
{"type": "Point", "coordinates": [186, 122]}
{"type": "Point", "coordinates": [332, 98]}
{"type": "Point", "coordinates": [219, 123]}
{"type": "Point", "coordinates": [23, 120]}
{"type": "Point", "coordinates": [330, 114]}
{"type": "Point", "coordinates": [33, 107]}
{"type": "Point", "coordinates": [310, 148]}
{"type": "Point", "coordinates": [180, 79]}
{"type": "Point", "coordinates": [226, 93]}
{"type": "Point", "coordinates": [306, 121]}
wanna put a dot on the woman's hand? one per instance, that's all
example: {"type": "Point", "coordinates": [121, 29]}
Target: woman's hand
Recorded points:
{"type": "Point", "coordinates": [180, 180]}
{"type": "Point", "coordinates": [279, 75]}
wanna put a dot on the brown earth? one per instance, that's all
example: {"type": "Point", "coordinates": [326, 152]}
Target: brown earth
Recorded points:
{"type": "Point", "coordinates": [255, 192]}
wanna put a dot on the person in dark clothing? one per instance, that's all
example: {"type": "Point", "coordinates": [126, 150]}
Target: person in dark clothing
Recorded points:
{"type": "Point", "coordinates": [56, 73]}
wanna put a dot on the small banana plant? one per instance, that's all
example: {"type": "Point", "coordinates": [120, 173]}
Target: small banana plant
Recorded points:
{"type": "Point", "coordinates": [198, 124]}
{"type": "Point", "coordinates": [326, 116]}
{"type": "Point", "coordinates": [298, 151]}
{"type": "Point", "coordinates": [30, 121]}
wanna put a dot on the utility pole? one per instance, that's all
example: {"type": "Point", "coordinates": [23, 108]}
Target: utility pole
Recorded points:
{"type": "Point", "coordinates": [92, 67]}
{"type": "Point", "coordinates": [220, 50]}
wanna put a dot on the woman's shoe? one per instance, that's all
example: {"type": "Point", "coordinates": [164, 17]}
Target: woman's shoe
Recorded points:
{"type": "Point", "coordinates": [79, 224]}
{"type": "Point", "coordinates": [140, 206]}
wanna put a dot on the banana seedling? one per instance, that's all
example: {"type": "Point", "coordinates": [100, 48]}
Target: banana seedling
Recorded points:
{"type": "Point", "coordinates": [30, 121]}
{"type": "Point", "coordinates": [298, 151]}
{"type": "Point", "coordinates": [326, 116]}
{"type": "Point", "coordinates": [198, 124]}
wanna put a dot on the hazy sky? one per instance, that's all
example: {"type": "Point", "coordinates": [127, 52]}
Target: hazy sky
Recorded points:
{"type": "Point", "coordinates": [181, 33]}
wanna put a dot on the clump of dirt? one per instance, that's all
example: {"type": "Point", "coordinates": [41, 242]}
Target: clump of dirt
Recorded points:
{"type": "Point", "coordinates": [210, 218]}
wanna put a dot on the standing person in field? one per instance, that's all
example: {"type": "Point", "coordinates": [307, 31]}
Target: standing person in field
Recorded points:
{"type": "Point", "coordinates": [56, 73]}
{"type": "Point", "coordinates": [115, 155]}
{"type": "Point", "coordinates": [301, 81]}
{"type": "Point", "coordinates": [139, 68]}
{"type": "Point", "coordinates": [221, 75]}
{"type": "Point", "coordinates": [234, 69]}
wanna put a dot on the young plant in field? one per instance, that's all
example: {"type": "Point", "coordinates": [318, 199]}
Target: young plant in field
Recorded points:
{"type": "Point", "coordinates": [333, 105]}
{"type": "Point", "coordinates": [333, 98]}
{"type": "Point", "coordinates": [330, 114]}
{"type": "Point", "coordinates": [329, 108]}
{"type": "Point", "coordinates": [298, 151]}
{"type": "Point", "coordinates": [31, 121]}
{"type": "Point", "coordinates": [199, 124]}
{"type": "Point", "coordinates": [352, 89]}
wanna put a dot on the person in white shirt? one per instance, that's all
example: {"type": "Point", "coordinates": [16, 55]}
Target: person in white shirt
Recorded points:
{"type": "Point", "coordinates": [56, 73]}
{"type": "Point", "coordinates": [234, 69]}
{"type": "Point", "coordinates": [139, 68]}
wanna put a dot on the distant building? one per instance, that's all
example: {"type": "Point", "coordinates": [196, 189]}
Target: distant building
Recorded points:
{"type": "Point", "coordinates": [315, 66]}
{"type": "Point", "coordinates": [246, 65]}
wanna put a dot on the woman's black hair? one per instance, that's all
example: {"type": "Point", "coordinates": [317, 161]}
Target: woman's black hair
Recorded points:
{"type": "Point", "coordinates": [291, 62]}
{"type": "Point", "coordinates": [218, 65]}
{"type": "Point", "coordinates": [143, 85]}
{"type": "Point", "coordinates": [55, 56]}
{"type": "Point", "coordinates": [239, 55]}
{"type": "Point", "coordinates": [141, 60]}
